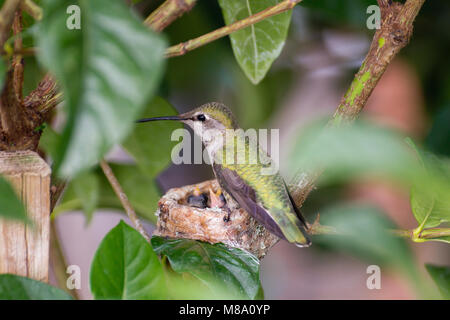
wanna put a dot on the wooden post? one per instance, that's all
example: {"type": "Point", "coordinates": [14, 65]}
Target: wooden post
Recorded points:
{"type": "Point", "coordinates": [24, 250]}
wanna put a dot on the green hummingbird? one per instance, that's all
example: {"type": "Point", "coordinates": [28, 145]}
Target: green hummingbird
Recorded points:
{"type": "Point", "coordinates": [264, 196]}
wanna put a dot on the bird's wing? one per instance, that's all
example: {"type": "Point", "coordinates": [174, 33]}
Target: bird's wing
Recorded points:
{"type": "Point", "coordinates": [245, 195]}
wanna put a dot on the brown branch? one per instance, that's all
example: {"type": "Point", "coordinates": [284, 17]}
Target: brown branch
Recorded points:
{"type": "Point", "coordinates": [394, 34]}
{"type": "Point", "coordinates": [32, 9]}
{"type": "Point", "coordinates": [184, 47]}
{"type": "Point", "coordinates": [166, 13]}
{"type": "Point", "coordinates": [123, 199]}
{"type": "Point", "coordinates": [17, 61]}
{"type": "Point", "coordinates": [45, 97]}
{"type": "Point", "coordinates": [56, 190]}
{"type": "Point", "coordinates": [7, 14]}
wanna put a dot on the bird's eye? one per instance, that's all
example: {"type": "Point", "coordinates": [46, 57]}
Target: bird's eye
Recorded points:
{"type": "Point", "coordinates": [201, 117]}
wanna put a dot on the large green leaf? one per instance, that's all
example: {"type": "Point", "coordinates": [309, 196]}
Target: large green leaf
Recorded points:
{"type": "Point", "coordinates": [150, 143]}
{"type": "Point", "coordinates": [428, 210]}
{"type": "Point", "coordinates": [366, 233]}
{"type": "Point", "coordinates": [441, 276]}
{"type": "Point", "coordinates": [257, 46]}
{"type": "Point", "coordinates": [108, 69]}
{"type": "Point", "coordinates": [431, 204]}
{"type": "Point", "coordinates": [236, 269]}
{"type": "Point", "coordinates": [14, 287]}
{"type": "Point", "coordinates": [125, 267]}
{"type": "Point", "coordinates": [142, 192]}
{"type": "Point", "coordinates": [10, 205]}
{"type": "Point", "coordinates": [351, 150]}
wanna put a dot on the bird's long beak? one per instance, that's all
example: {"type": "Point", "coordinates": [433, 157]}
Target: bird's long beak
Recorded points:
{"type": "Point", "coordinates": [176, 118]}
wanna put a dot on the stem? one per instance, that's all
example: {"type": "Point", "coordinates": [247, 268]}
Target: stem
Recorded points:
{"type": "Point", "coordinates": [6, 19]}
{"type": "Point", "coordinates": [123, 198]}
{"type": "Point", "coordinates": [190, 45]}
{"type": "Point", "coordinates": [394, 34]}
{"type": "Point", "coordinates": [32, 9]}
{"type": "Point", "coordinates": [59, 264]}
{"type": "Point", "coordinates": [166, 13]}
{"type": "Point", "coordinates": [17, 61]}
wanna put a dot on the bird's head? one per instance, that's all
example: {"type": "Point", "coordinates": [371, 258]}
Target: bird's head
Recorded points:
{"type": "Point", "coordinates": [206, 121]}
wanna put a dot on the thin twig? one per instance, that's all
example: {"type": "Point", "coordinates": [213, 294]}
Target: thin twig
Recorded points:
{"type": "Point", "coordinates": [394, 34]}
{"type": "Point", "coordinates": [17, 61]}
{"type": "Point", "coordinates": [7, 14]}
{"type": "Point", "coordinates": [182, 48]}
{"type": "Point", "coordinates": [166, 13]}
{"type": "Point", "coordinates": [32, 9]}
{"type": "Point", "coordinates": [123, 198]}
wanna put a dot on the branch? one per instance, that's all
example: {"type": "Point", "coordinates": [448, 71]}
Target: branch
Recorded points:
{"type": "Point", "coordinates": [32, 9]}
{"type": "Point", "coordinates": [17, 61]}
{"type": "Point", "coordinates": [166, 13]}
{"type": "Point", "coordinates": [123, 198]}
{"type": "Point", "coordinates": [6, 19]}
{"type": "Point", "coordinates": [190, 45]}
{"type": "Point", "coordinates": [394, 34]}
{"type": "Point", "coordinates": [45, 97]}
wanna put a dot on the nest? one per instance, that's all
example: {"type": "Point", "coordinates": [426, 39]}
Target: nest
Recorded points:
{"type": "Point", "coordinates": [178, 219]}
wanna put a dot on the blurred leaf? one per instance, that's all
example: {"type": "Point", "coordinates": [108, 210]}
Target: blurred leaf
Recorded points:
{"type": "Point", "coordinates": [430, 208]}
{"type": "Point", "coordinates": [49, 141]}
{"type": "Point", "coordinates": [150, 143]}
{"type": "Point", "coordinates": [11, 207]}
{"type": "Point", "coordinates": [365, 232]}
{"type": "Point", "coordinates": [441, 276]}
{"type": "Point", "coordinates": [349, 11]}
{"type": "Point", "coordinates": [257, 46]}
{"type": "Point", "coordinates": [14, 287]}
{"type": "Point", "coordinates": [237, 269]}
{"type": "Point", "coordinates": [87, 189]}
{"type": "Point", "coordinates": [125, 267]}
{"type": "Point", "coordinates": [108, 69]}
{"type": "Point", "coordinates": [352, 150]}
{"type": "Point", "coordinates": [142, 192]}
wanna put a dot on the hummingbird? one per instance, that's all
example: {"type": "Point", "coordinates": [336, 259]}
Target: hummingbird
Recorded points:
{"type": "Point", "coordinates": [264, 196]}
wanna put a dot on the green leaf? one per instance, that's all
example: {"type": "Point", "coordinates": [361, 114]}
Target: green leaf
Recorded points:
{"type": "Point", "coordinates": [150, 143]}
{"type": "Point", "coordinates": [428, 210]}
{"type": "Point", "coordinates": [366, 233]}
{"type": "Point", "coordinates": [236, 269]}
{"type": "Point", "coordinates": [125, 267]}
{"type": "Point", "coordinates": [87, 189]}
{"type": "Point", "coordinates": [257, 46]}
{"type": "Point", "coordinates": [49, 141]}
{"type": "Point", "coordinates": [441, 276]}
{"type": "Point", "coordinates": [142, 192]}
{"type": "Point", "coordinates": [352, 150]}
{"type": "Point", "coordinates": [11, 207]}
{"type": "Point", "coordinates": [430, 205]}
{"type": "Point", "coordinates": [108, 69]}
{"type": "Point", "coordinates": [14, 287]}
